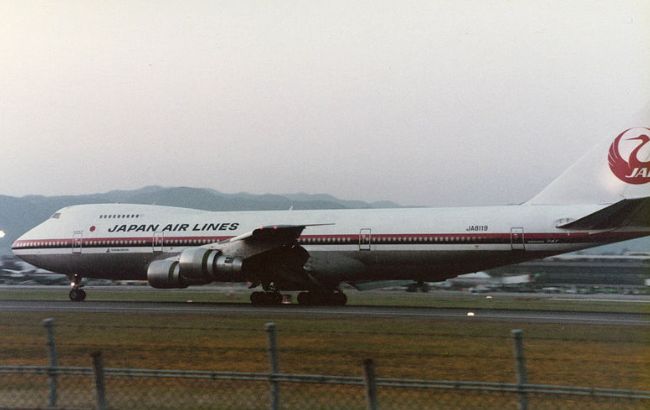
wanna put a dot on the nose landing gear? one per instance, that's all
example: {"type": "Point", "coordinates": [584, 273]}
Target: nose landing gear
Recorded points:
{"type": "Point", "coordinates": [76, 293]}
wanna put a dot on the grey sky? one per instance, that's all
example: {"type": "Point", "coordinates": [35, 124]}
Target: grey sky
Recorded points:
{"type": "Point", "coordinates": [422, 102]}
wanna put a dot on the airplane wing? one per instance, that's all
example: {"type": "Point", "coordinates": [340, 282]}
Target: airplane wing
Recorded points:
{"type": "Point", "coordinates": [273, 233]}
{"type": "Point", "coordinates": [268, 254]}
{"type": "Point", "coordinates": [260, 240]}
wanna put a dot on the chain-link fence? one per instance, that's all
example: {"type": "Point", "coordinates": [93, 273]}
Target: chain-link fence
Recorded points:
{"type": "Point", "coordinates": [96, 387]}
{"type": "Point", "coordinates": [78, 388]}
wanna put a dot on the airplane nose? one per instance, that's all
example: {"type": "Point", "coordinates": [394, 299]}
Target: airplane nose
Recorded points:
{"type": "Point", "coordinates": [19, 242]}
{"type": "Point", "coordinates": [19, 247]}
{"type": "Point", "coordinates": [15, 245]}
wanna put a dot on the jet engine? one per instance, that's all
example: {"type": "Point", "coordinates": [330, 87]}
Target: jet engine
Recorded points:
{"type": "Point", "coordinates": [165, 274]}
{"type": "Point", "coordinates": [195, 266]}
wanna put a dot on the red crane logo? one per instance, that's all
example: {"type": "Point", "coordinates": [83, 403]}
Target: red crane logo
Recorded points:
{"type": "Point", "coordinates": [633, 170]}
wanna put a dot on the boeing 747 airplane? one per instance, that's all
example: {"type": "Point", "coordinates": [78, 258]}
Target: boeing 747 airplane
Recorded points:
{"type": "Point", "coordinates": [603, 198]}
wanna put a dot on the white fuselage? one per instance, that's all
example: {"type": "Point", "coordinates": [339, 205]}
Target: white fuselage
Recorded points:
{"type": "Point", "coordinates": [119, 241]}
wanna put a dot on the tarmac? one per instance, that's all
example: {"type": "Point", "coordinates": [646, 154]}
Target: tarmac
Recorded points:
{"type": "Point", "coordinates": [217, 309]}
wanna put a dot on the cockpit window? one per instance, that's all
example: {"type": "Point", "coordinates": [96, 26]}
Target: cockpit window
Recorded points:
{"type": "Point", "coordinates": [56, 215]}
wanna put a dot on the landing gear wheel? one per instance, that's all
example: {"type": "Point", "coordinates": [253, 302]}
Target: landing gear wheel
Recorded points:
{"type": "Point", "coordinates": [77, 295]}
{"type": "Point", "coordinates": [266, 298]}
{"type": "Point", "coordinates": [316, 299]}
{"type": "Point", "coordinates": [304, 298]}
{"type": "Point", "coordinates": [311, 299]}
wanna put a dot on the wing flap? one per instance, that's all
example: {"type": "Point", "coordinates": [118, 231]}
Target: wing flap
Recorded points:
{"type": "Point", "coordinates": [262, 240]}
{"type": "Point", "coordinates": [281, 233]}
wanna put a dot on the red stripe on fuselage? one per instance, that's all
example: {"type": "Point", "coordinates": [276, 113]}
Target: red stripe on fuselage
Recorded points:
{"type": "Point", "coordinates": [337, 239]}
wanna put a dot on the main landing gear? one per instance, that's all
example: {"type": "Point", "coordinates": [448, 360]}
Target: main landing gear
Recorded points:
{"type": "Point", "coordinates": [327, 299]}
{"type": "Point", "coordinates": [421, 286]}
{"type": "Point", "coordinates": [76, 293]}
{"type": "Point", "coordinates": [266, 298]}
{"type": "Point", "coordinates": [274, 298]}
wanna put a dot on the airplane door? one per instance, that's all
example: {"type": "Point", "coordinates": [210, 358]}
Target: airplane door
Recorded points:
{"type": "Point", "coordinates": [517, 240]}
{"type": "Point", "coordinates": [365, 239]}
{"type": "Point", "coordinates": [158, 242]}
{"type": "Point", "coordinates": [77, 242]}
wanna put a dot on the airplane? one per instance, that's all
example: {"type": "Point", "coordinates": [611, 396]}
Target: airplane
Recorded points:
{"type": "Point", "coordinates": [603, 198]}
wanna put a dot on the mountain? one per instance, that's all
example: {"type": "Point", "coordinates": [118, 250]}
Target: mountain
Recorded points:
{"type": "Point", "coordinates": [303, 197]}
{"type": "Point", "coordinates": [17, 215]}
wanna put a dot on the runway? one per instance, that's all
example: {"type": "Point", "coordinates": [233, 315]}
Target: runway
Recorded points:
{"type": "Point", "coordinates": [468, 315]}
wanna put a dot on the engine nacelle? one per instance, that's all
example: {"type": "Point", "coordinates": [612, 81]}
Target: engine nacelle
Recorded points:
{"type": "Point", "coordinates": [165, 274]}
{"type": "Point", "coordinates": [195, 266]}
{"type": "Point", "coordinates": [227, 269]}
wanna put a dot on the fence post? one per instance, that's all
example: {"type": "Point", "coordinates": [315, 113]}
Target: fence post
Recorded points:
{"type": "Point", "coordinates": [54, 362]}
{"type": "Point", "coordinates": [371, 384]}
{"type": "Point", "coordinates": [273, 359]}
{"type": "Point", "coordinates": [520, 366]}
{"type": "Point", "coordinates": [100, 386]}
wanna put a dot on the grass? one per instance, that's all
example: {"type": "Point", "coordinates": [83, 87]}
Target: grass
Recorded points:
{"type": "Point", "coordinates": [424, 348]}
{"type": "Point", "coordinates": [420, 348]}
{"type": "Point", "coordinates": [585, 355]}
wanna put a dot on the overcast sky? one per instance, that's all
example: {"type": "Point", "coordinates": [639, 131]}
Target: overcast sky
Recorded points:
{"type": "Point", "coordinates": [421, 102]}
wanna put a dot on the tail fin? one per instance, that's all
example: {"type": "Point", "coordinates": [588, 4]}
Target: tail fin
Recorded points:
{"type": "Point", "coordinates": [615, 170]}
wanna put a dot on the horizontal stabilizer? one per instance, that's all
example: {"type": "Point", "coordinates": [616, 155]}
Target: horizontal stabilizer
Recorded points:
{"type": "Point", "coordinates": [623, 214]}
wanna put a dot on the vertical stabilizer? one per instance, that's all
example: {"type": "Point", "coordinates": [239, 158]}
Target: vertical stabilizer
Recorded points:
{"type": "Point", "coordinates": [618, 168]}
